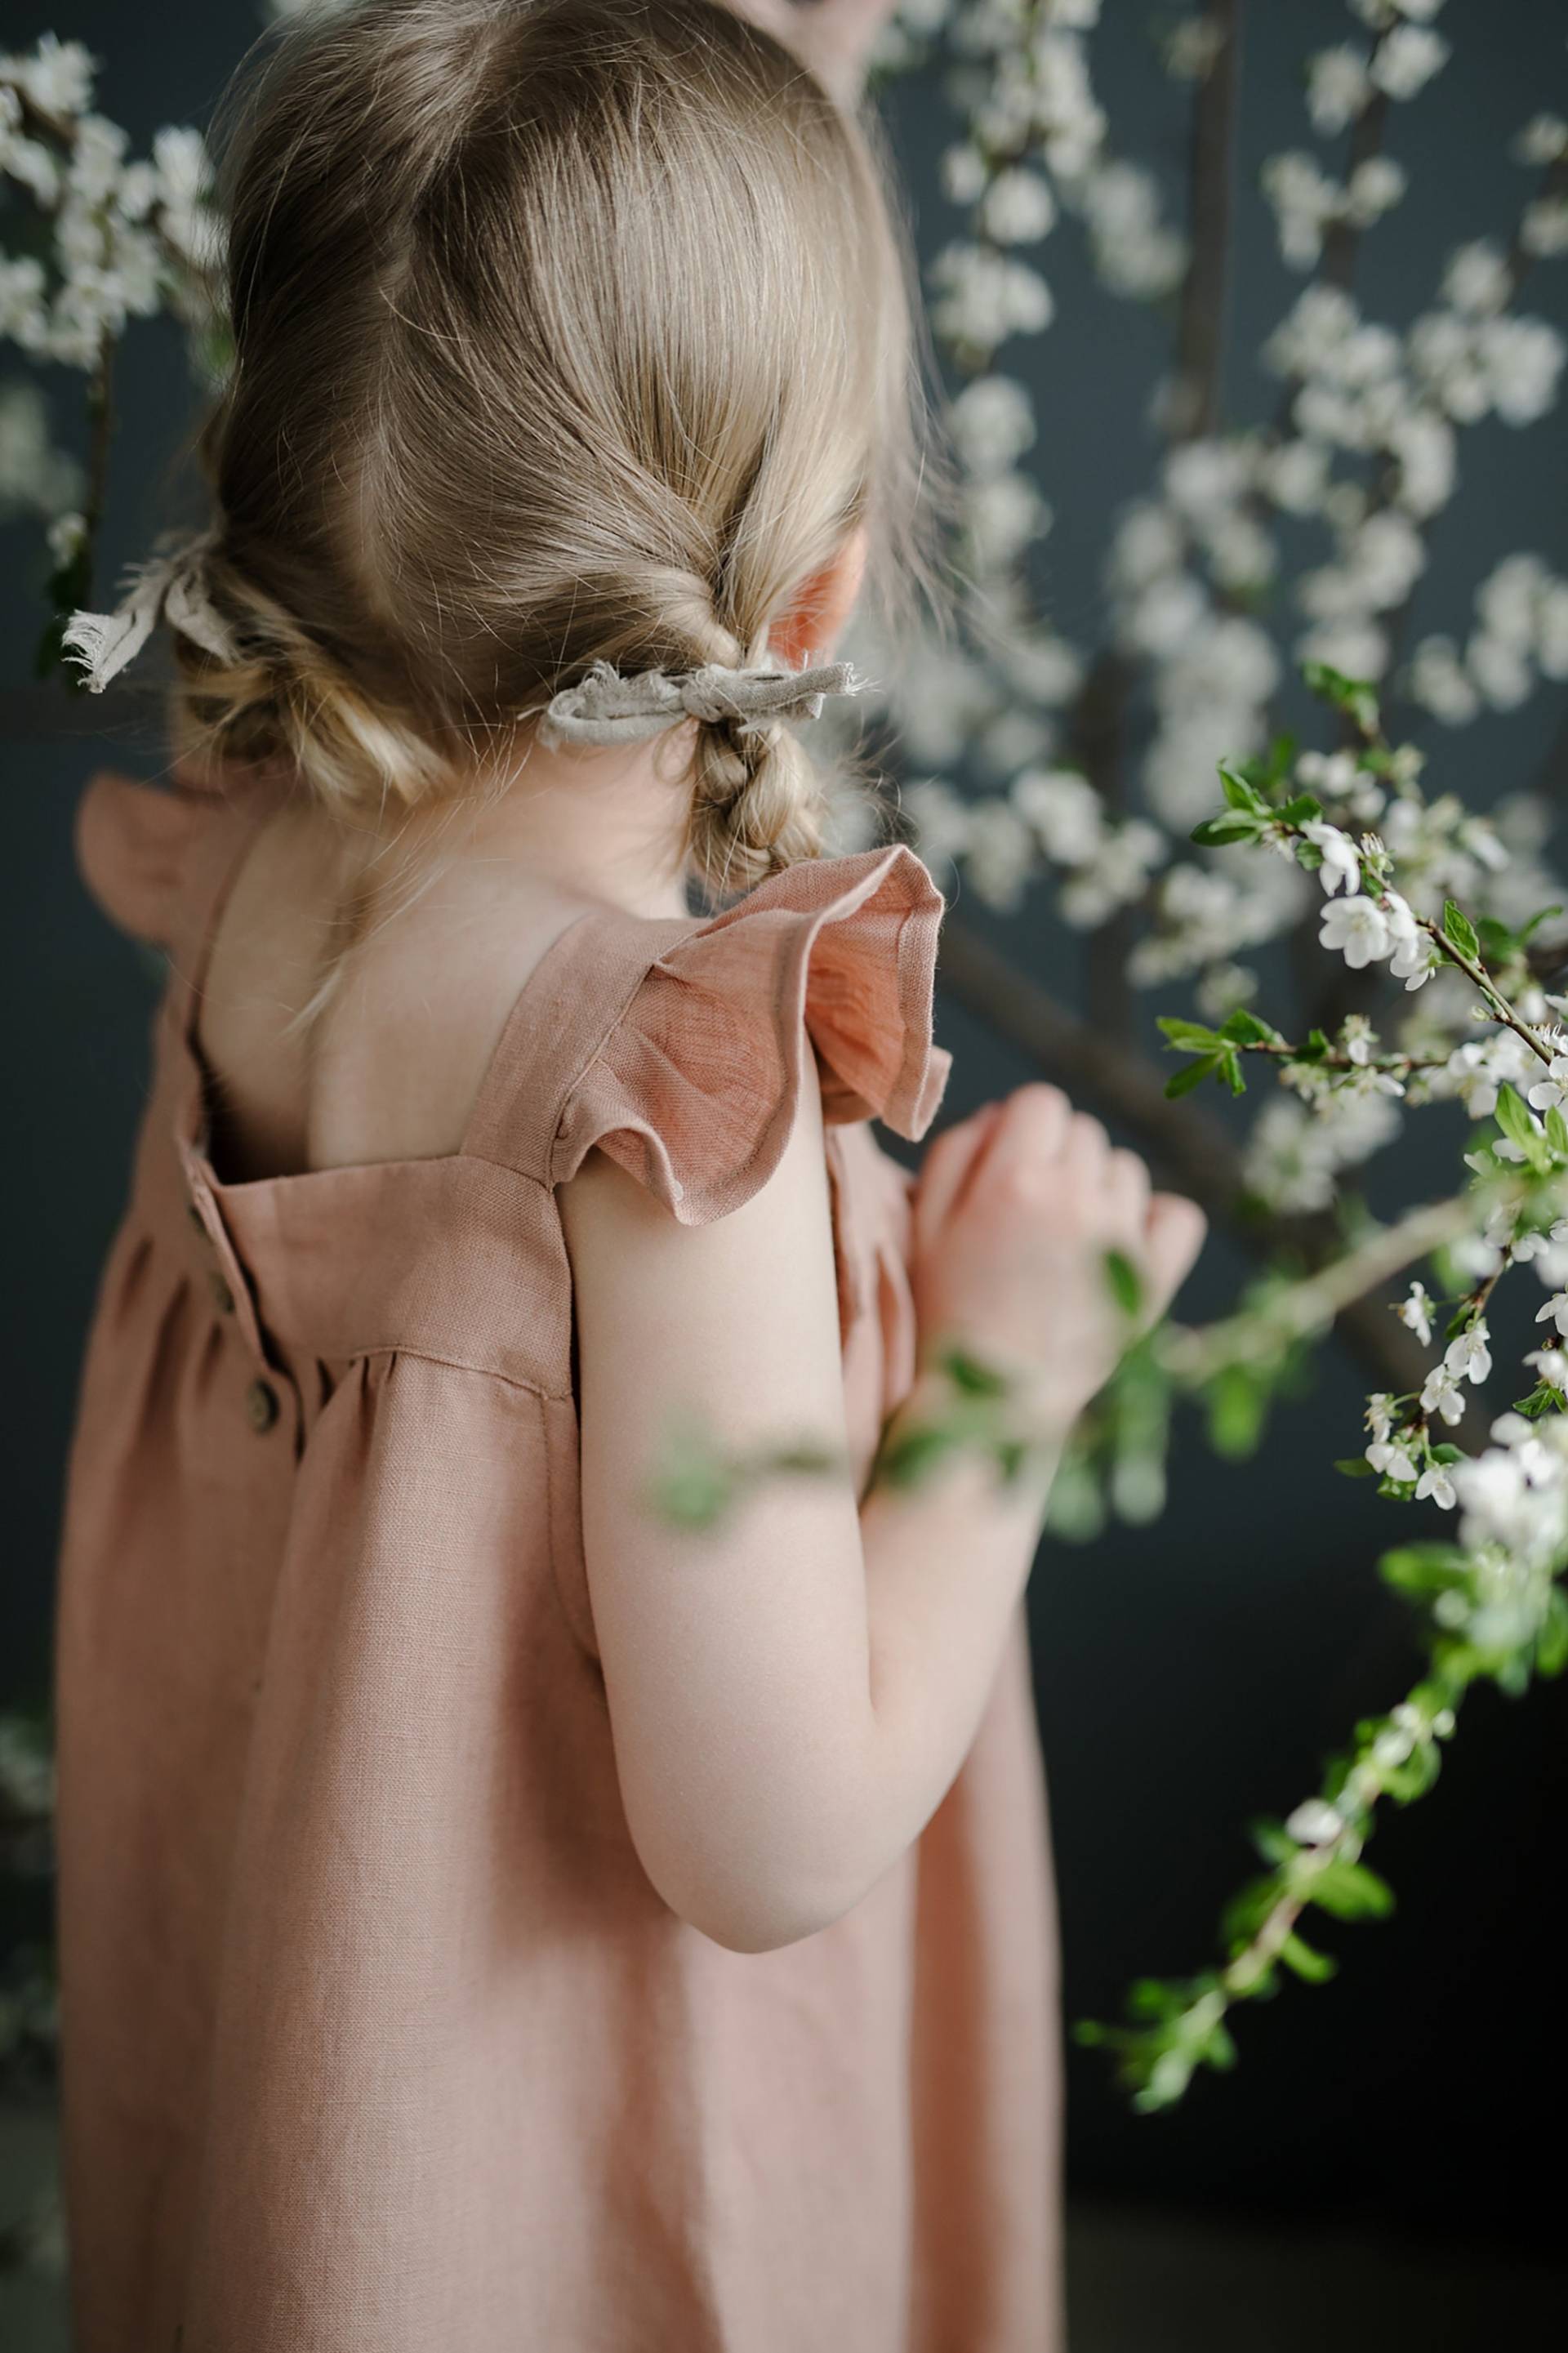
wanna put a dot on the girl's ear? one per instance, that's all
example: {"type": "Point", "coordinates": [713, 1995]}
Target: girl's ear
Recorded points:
{"type": "Point", "coordinates": [822, 606]}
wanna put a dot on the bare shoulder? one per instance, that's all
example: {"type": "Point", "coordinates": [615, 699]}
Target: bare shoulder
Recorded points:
{"type": "Point", "coordinates": [391, 1065]}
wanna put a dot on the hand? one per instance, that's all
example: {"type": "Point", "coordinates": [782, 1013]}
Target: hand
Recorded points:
{"type": "Point", "coordinates": [1014, 1211]}
{"type": "Point", "coordinates": [834, 38]}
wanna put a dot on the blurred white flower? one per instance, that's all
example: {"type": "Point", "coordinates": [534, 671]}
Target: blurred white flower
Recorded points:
{"type": "Point", "coordinates": [1019, 208]}
{"type": "Point", "coordinates": [1338, 88]}
{"type": "Point", "coordinates": [993, 421]}
{"type": "Point", "coordinates": [1407, 61]}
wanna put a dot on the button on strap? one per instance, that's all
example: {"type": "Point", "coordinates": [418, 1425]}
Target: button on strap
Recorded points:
{"type": "Point", "coordinates": [261, 1406]}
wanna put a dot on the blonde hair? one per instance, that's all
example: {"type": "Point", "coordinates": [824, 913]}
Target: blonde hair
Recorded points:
{"type": "Point", "coordinates": [565, 331]}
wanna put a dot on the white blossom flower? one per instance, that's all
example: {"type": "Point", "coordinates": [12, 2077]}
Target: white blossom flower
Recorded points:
{"type": "Point", "coordinates": [1305, 200]}
{"type": "Point", "coordinates": [1003, 514]}
{"type": "Point", "coordinates": [1556, 1312]}
{"type": "Point", "coordinates": [1551, 1092]}
{"type": "Point", "coordinates": [1338, 88]}
{"type": "Point", "coordinates": [35, 477]}
{"type": "Point", "coordinates": [1019, 208]}
{"type": "Point", "coordinates": [1543, 231]}
{"type": "Point", "coordinates": [24, 317]}
{"type": "Point", "coordinates": [964, 172]}
{"type": "Point", "coordinates": [1064, 811]}
{"type": "Point", "coordinates": [1470, 1356]}
{"type": "Point", "coordinates": [1415, 1313]}
{"type": "Point", "coordinates": [1523, 359]}
{"type": "Point", "coordinates": [1442, 1394]}
{"type": "Point", "coordinates": [1423, 448]}
{"type": "Point", "coordinates": [1315, 1822]}
{"type": "Point", "coordinates": [1500, 668]}
{"type": "Point", "coordinates": [66, 536]}
{"type": "Point", "coordinates": [999, 854]}
{"type": "Point", "coordinates": [1357, 929]}
{"type": "Point", "coordinates": [1340, 863]}
{"type": "Point", "coordinates": [1438, 681]}
{"type": "Point", "coordinates": [1551, 1365]}
{"type": "Point", "coordinates": [993, 421]}
{"type": "Point", "coordinates": [941, 818]}
{"type": "Point", "coordinates": [984, 296]}
{"type": "Point", "coordinates": [1436, 1482]}
{"type": "Point", "coordinates": [1406, 60]}
{"type": "Point", "coordinates": [1543, 139]}
{"type": "Point", "coordinates": [58, 77]}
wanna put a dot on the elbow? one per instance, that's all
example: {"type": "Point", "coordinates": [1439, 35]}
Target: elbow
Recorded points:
{"type": "Point", "coordinates": [755, 1917]}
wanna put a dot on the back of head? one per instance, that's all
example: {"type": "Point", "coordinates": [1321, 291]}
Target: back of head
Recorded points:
{"type": "Point", "coordinates": [566, 330]}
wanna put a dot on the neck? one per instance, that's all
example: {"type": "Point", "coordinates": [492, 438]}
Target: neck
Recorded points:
{"type": "Point", "coordinates": [602, 827]}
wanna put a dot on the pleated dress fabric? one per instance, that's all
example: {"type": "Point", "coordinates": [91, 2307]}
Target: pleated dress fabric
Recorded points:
{"type": "Point", "coordinates": [377, 2038]}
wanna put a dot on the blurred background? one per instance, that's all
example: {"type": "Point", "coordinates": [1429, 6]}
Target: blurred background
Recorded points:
{"type": "Point", "coordinates": [1382, 2167]}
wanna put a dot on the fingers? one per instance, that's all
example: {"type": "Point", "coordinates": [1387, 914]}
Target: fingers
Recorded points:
{"type": "Point", "coordinates": [947, 1163]}
{"type": "Point", "coordinates": [1174, 1234]}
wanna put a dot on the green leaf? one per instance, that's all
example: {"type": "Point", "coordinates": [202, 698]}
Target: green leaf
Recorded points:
{"type": "Point", "coordinates": [1237, 1407]}
{"type": "Point", "coordinates": [1188, 1037]}
{"type": "Point", "coordinates": [1349, 1891]}
{"type": "Point", "coordinates": [1355, 1466]}
{"type": "Point", "coordinates": [1272, 1840]}
{"type": "Point", "coordinates": [1551, 1643]}
{"type": "Point", "coordinates": [1193, 1076]}
{"type": "Point", "coordinates": [1459, 930]}
{"type": "Point", "coordinates": [914, 1453]}
{"type": "Point", "coordinates": [1307, 1961]}
{"type": "Point", "coordinates": [1302, 810]}
{"type": "Point", "coordinates": [1529, 929]}
{"type": "Point", "coordinates": [1245, 1029]}
{"type": "Point", "coordinates": [1424, 1569]}
{"type": "Point", "coordinates": [970, 1375]}
{"type": "Point", "coordinates": [1217, 832]}
{"type": "Point", "coordinates": [1557, 1132]}
{"type": "Point", "coordinates": [1126, 1281]}
{"type": "Point", "coordinates": [1355, 696]}
{"type": "Point", "coordinates": [1240, 794]}
{"type": "Point", "coordinates": [1518, 1123]}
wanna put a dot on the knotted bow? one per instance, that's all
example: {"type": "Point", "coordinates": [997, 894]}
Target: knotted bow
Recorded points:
{"type": "Point", "coordinates": [170, 589]}
{"type": "Point", "coordinates": [607, 708]}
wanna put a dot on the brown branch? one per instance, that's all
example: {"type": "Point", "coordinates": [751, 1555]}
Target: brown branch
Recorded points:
{"type": "Point", "coordinates": [1204, 316]}
{"type": "Point", "coordinates": [1098, 737]}
{"type": "Point", "coordinates": [1190, 1149]}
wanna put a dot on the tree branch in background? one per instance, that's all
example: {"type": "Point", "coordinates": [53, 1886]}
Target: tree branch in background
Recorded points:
{"type": "Point", "coordinates": [1205, 293]}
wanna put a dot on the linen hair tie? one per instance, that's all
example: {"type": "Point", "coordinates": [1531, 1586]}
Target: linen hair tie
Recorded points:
{"type": "Point", "coordinates": [609, 708]}
{"type": "Point", "coordinates": [172, 588]}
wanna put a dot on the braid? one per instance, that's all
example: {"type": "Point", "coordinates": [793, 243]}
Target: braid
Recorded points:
{"type": "Point", "coordinates": [758, 803]}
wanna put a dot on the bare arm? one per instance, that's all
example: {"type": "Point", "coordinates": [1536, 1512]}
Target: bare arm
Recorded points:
{"type": "Point", "coordinates": [792, 1696]}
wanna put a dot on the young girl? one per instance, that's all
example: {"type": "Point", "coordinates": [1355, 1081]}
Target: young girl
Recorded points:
{"type": "Point", "coordinates": [493, 1916]}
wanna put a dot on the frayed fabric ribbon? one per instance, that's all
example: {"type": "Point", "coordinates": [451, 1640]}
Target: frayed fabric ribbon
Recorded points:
{"type": "Point", "coordinates": [607, 708]}
{"type": "Point", "coordinates": [170, 589]}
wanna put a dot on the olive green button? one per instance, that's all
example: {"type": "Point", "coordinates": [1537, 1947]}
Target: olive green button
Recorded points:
{"type": "Point", "coordinates": [261, 1405]}
{"type": "Point", "coordinates": [223, 1297]}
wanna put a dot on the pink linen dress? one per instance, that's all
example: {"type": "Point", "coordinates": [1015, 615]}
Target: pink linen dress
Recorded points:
{"type": "Point", "coordinates": [377, 2038]}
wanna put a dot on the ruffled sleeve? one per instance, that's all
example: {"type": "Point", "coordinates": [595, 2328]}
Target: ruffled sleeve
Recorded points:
{"type": "Point", "coordinates": [694, 1090]}
{"type": "Point", "coordinates": [149, 854]}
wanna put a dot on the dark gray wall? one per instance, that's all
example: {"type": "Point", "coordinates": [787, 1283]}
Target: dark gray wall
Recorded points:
{"type": "Point", "coordinates": [1190, 1675]}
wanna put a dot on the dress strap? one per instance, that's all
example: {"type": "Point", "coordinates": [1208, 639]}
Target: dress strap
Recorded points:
{"type": "Point", "coordinates": [570, 1003]}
